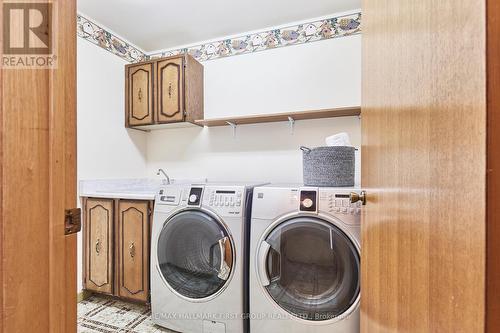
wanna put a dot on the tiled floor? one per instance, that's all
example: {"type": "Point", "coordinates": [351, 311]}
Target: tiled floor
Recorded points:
{"type": "Point", "coordinates": [108, 315]}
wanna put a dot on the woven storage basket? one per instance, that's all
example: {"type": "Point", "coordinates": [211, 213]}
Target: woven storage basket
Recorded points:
{"type": "Point", "coordinates": [328, 166]}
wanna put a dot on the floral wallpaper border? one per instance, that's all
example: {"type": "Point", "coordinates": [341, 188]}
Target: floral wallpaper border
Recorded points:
{"type": "Point", "coordinates": [334, 27]}
{"type": "Point", "coordinates": [298, 34]}
{"type": "Point", "coordinates": [99, 36]}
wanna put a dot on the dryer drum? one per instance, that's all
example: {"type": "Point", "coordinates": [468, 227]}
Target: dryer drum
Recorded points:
{"type": "Point", "coordinates": [313, 269]}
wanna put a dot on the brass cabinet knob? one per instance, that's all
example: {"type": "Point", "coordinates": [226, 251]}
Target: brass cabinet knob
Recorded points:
{"type": "Point", "coordinates": [98, 246]}
{"type": "Point", "coordinates": [131, 250]}
{"type": "Point", "coordinates": [355, 197]}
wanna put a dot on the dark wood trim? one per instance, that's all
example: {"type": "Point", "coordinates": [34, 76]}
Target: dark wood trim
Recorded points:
{"type": "Point", "coordinates": [493, 167]}
{"type": "Point", "coordinates": [126, 96]}
{"type": "Point", "coordinates": [83, 202]}
{"type": "Point", "coordinates": [2, 209]}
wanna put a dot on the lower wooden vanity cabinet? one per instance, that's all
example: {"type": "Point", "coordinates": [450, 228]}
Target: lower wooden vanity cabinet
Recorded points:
{"type": "Point", "coordinates": [98, 248]}
{"type": "Point", "coordinates": [117, 247]}
{"type": "Point", "coordinates": [133, 250]}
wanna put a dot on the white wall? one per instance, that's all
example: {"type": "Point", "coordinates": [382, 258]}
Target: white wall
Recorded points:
{"type": "Point", "coordinates": [318, 75]}
{"type": "Point", "coordinates": [310, 76]}
{"type": "Point", "coordinates": [261, 152]}
{"type": "Point", "coordinates": [105, 148]}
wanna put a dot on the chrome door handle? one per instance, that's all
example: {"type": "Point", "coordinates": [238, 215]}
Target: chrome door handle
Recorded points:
{"type": "Point", "coordinates": [225, 261]}
{"type": "Point", "coordinates": [261, 264]}
{"type": "Point", "coordinates": [355, 197]}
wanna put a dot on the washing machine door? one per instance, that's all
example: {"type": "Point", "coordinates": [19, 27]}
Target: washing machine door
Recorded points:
{"type": "Point", "coordinates": [310, 268]}
{"type": "Point", "coordinates": [195, 254]}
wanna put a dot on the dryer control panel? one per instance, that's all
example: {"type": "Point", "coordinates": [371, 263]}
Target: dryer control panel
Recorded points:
{"type": "Point", "coordinates": [339, 204]}
{"type": "Point", "coordinates": [225, 201]}
{"type": "Point", "coordinates": [308, 201]}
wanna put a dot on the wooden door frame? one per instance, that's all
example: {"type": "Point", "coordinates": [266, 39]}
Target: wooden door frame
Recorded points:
{"type": "Point", "coordinates": [38, 171]}
{"type": "Point", "coordinates": [493, 167]}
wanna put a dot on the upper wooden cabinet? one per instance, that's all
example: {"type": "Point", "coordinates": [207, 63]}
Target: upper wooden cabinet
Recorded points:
{"type": "Point", "coordinates": [164, 91]}
{"type": "Point", "coordinates": [98, 247]}
{"type": "Point", "coordinates": [169, 100]}
{"type": "Point", "coordinates": [140, 95]}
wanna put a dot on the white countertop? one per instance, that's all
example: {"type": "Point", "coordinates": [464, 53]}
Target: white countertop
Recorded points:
{"type": "Point", "coordinates": [139, 189]}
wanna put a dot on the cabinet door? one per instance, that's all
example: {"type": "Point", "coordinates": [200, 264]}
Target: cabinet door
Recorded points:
{"type": "Point", "coordinates": [140, 95]}
{"type": "Point", "coordinates": [133, 249]}
{"type": "Point", "coordinates": [170, 93]}
{"type": "Point", "coordinates": [99, 245]}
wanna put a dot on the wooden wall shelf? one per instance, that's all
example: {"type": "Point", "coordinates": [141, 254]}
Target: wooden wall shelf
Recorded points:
{"type": "Point", "coordinates": [299, 115]}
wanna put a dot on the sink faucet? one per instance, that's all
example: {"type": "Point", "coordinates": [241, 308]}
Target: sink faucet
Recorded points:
{"type": "Point", "coordinates": [166, 180]}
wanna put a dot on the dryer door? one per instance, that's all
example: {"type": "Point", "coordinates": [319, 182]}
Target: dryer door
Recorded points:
{"type": "Point", "coordinates": [310, 268]}
{"type": "Point", "coordinates": [195, 254]}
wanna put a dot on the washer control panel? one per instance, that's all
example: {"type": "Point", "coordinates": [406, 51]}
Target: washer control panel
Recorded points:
{"type": "Point", "coordinates": [225, 201]}
{"type": "Point", "coordinates": [169, 196]}
{"type": "Point", "coordinates": [225, 198]}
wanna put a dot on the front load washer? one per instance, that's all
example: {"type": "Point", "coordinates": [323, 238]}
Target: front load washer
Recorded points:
{"type": "Point", "coordinates": [304, 260]}
{"type": "Point", "coordinates": [197, 257]}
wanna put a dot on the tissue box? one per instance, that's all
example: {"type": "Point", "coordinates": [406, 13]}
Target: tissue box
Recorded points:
{"type": "Point", "coordinates": [328, 166]}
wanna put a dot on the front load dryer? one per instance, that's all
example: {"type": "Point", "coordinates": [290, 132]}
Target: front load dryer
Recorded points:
{"type": "Point", "coordinates": [304, 260]}
{"type": "Point", "coordinates": [197, 251]}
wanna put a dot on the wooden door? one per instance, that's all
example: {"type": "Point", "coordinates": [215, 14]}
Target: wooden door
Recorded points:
{"type": "Point", "coordinates": [98, 245]}
{"type": "Point", "coordinates": [133, 249]}
{"type": "Point", "coordinates": [170, 90]}
{"type": "Point", "coordinates": [139, 99]}
{"type": "Point", "coordinates": [38, 172]}
{"type": "Point", "coordinates": [424, 167]}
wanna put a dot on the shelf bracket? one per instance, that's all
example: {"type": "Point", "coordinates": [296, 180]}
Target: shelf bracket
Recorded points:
{"type": "Point", "coordinates": [233, 127]}
{"type": "Point", "coordinates": [291, 123]}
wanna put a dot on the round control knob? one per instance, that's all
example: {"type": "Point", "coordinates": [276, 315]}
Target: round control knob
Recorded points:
{"type": "Point", "coordinates": [193, 198]}
{"type": "Point", "coordinates": [307, 203]}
